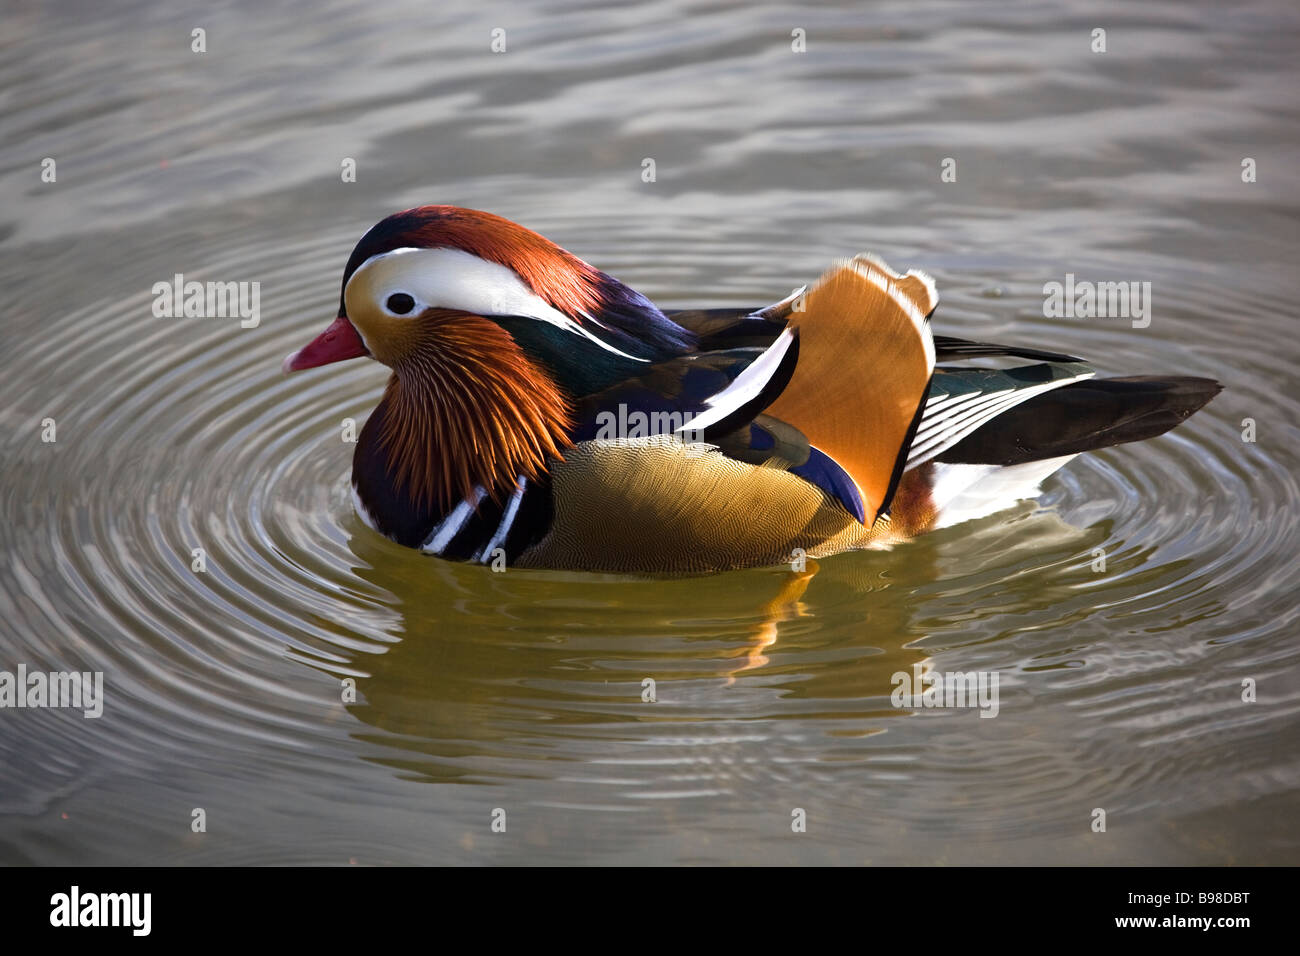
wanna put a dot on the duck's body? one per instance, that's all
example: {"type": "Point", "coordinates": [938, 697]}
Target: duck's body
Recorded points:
{"type": "Point", "coordinates": [543, 414]}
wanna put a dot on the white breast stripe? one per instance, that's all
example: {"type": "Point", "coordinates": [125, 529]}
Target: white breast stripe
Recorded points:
{"type": "Point", "coordinates": [450, 526]}
{"type": "Point", "coordinates": [361, 511]}
{"type": "Point", "coordinates": [507, 519]}
{"type": "Point", "coordinates": [745, 387]}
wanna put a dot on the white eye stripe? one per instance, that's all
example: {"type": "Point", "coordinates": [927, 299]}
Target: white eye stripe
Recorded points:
{"type": "Point", "coordinates": [454, 279]}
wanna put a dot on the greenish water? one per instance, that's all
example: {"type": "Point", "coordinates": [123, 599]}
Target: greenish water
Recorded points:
{"type": "Point", "coordinates": [523, 691]}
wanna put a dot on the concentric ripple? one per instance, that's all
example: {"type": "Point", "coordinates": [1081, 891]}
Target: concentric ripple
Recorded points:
{"type": "Point", "coordinates": [326, 696]}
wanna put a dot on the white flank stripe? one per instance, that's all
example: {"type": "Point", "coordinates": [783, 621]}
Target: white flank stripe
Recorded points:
{"type": "Point", "coordinates": [449, 527]}
{"type": "Point", "coordinates": [745, 387]}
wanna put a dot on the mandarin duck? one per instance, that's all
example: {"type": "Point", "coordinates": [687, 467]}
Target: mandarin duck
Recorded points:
{"type": "Point", "coordinates": [544, 414]}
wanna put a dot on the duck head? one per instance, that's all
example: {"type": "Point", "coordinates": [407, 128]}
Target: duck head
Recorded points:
{"type": "Point", "coordinates": [491, 332]}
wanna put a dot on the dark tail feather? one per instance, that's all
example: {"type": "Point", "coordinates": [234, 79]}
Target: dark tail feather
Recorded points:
{"type": "Point", "coordinates": [1093, 414]}
{"type": "Point", "coordinates": [948, 348]}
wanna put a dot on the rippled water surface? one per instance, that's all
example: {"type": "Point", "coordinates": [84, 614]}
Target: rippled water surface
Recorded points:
{"type": "Point", "coordinates": [522, 691]}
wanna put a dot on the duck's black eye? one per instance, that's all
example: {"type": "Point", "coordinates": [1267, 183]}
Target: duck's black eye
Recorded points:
{"type": "Point", "coordinates": [400, 303]}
